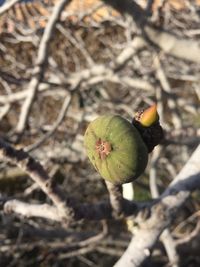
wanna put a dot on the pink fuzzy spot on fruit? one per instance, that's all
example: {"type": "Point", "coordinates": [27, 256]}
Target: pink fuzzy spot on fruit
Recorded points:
{"type": "Point", "coordinates": [103, 148]}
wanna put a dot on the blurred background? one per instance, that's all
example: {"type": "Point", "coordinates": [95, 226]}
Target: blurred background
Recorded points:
{"type": "Point", "coordinates": [98, 62]}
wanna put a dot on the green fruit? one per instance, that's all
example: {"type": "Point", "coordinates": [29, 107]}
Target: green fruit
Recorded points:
{"type": "Point", "coordinates": [115, 148]}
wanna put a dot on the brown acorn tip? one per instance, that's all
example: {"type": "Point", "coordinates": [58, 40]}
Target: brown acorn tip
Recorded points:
{"type": "Point", "coordinates": [103, 148]}
{"type": "Point", "coordinates": [147, 123]}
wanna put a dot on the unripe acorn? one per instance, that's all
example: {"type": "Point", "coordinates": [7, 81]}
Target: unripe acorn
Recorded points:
{"type": "Point", "coordinates": [116, 149]}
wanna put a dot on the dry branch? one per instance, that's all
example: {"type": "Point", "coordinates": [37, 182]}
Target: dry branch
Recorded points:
{"type": "Point", "coordinates": [162, 213]}
{"type": "Point", "coordinates": [39, 175]}
{"type": "Point", "coordinates": [167, 42]}
{"type": "Point", "coordinates": [174, 45]}
{"type": "Point", "coordinates": [32, 210]}
{"type": "Point", "coordinates": [66, 210]}
{"type": "Point", "coordinates": [60, 118]}
{"type": "Point", "coordinates": [125, 65]}
{"type": "Point", "coordinates": [166, 236]}
{"type": "Point", "coordinates": [116, 198]}
{"type": "Point", "coordinates": [7, 6]}
{"type": "Point", "coordinates": [38, 70]}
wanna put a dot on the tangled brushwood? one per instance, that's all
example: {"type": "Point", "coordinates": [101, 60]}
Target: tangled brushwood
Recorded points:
{"type": "Point", "coordinates": [79, 81]}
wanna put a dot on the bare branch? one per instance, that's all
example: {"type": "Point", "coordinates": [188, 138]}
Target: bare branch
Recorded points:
{"type": "Point", "coordinates": [169, 43]}
{"type": "Point", "coordinates": [32, 210]}
{"type": "Point", "coordinates": [162, 212]}
{"type": "Point", "coordinates": [91, 212]}
{"type": "Point", "coordinates": [170, 247]}
{"type": "Point", "coordinates": [116, 198]}
{"type": "Point", "coordinates": [39, 68]}
{"type": "Point", "coordinates": [166, 236]}
{"type": "Point", "coordinates": [7, 6]}
{"type": "Point", "coordinates": [173, 45]}
{"type": "Point", "coordinates": [66, 209]}
{"type": "Point", "coordinates": [61, 116]}
{"type": "Point", "coordinates": [39, 175]}
{"type": "Point", "coordinates": [167, 88]}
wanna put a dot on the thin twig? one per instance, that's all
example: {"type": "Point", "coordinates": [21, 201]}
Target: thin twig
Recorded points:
{"type": "Point", "coordinates": [38, 70]}
{"type": "Point", "coordinates": [7, 6]}
{"type": "Point", "coordinates": [60, 118]}
{"type": "Point", "coordinates": [166, 236]}
{"type": "Point", "coordinates": [167, 89]}
{"type": "Point", "coordinates": [116, 198]}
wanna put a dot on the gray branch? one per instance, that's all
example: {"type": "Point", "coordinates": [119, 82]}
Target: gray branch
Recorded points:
{"type": "Point", "coordinates": [39, 175]}
{"type": "Point", "coordinates": [67, 211]}
{"type": "Point", "coordinates": [6, 6]}
{"type": "Point", "coordinates": [38, 70]}
{"type": "Point", "coordinates": [167, 42]}
{"type": "Point", "coordinates": [162, 213]}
